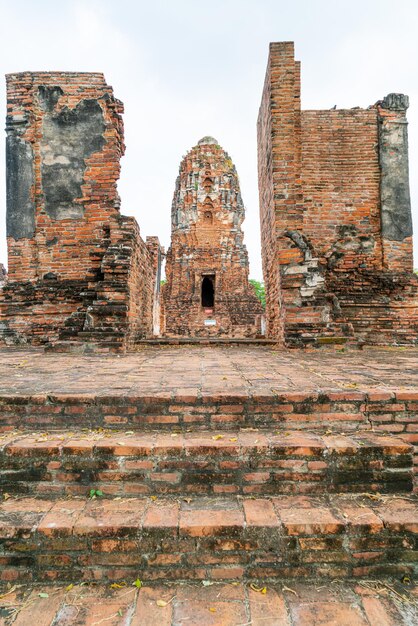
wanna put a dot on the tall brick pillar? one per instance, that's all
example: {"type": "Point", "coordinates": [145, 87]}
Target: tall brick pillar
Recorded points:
{"type": "Point", "coordinates": [279, 152]}
{"type": "Point", "coordinates": [157, 253]}
{"type": "Point", "coordinates": [297, 307]}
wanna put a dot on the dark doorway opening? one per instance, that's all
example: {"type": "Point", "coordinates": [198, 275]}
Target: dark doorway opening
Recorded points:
{"type": "Point", "coordinates": [208, 291]}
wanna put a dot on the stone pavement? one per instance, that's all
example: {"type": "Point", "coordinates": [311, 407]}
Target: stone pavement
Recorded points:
{"type": "Point", "coordinates": [235, 370]}
{"type": "Point", "coordinates": [293, 604]}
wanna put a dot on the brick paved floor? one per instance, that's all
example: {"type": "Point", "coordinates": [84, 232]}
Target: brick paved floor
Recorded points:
{"type": "Point", "coordinates": [335, 604]}
{"type": "Point", "coordinates": [229, 370]}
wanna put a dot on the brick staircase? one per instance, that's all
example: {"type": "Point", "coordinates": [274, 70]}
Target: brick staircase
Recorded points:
{"type": "Point", "coordinates": [221, 487]}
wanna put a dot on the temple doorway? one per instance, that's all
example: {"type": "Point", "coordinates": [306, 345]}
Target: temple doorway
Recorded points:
{"type": "Point", "coordinates": [208, 291]}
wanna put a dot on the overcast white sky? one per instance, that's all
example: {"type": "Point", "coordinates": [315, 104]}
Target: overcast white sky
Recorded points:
{"type": "Point", "coordinates": [189, 68]}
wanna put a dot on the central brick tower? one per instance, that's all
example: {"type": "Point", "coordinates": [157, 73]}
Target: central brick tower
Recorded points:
{"type": "Point", "coordinates": [207, 291]}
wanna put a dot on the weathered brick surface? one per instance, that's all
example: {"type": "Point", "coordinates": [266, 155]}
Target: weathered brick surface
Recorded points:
{"type": "Point", "coordinates": [301, 409]}
{"type": "Point", "coordinates": [335, 216]}
{"type": "Point", "coordinates": [77, 268]}
{"type": "Point", "coordinates": [59, 465]}
{"type": "Point", "coordinates": [207, 248]}
{"type": "Point", "coordinates": [201, 538]}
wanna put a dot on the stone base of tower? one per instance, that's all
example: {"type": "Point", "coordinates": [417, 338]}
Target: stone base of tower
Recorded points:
{"type": "Point", "coordinates": [231, 317]}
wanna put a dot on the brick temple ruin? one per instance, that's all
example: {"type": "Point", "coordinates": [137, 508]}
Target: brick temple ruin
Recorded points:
{"type": "Point", "coordinates": [78, 270]}
{"type": "Point", "coordinates": [335, 214]}
{"type": "Point", "coordinates": [207, 290]}
{"type": "Point", "coordinates": [335, 223]}
{"type": "Point", "coordinates": [223, 464]}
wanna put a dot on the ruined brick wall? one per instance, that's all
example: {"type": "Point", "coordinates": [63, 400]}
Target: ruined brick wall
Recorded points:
{"type": "Point", "coordinates": [335, 216]}
{"type": "Point", "coordinates": [76, 267]}
{"type": "Point", "coordinates": [207, 251]}
{"type": "Point", "coordinates": [122, 311]}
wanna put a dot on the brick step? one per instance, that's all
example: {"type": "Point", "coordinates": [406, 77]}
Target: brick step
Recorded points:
{"type": "Point", "coordinates": [344, 410]}
{"type": "Point", "coordinates": [86, 342]}
{"type": "Point", "coordinates": [339, 411]}
{"type": "Point", "coordinates": [208, 538]}
{"type": "Point", "coordinates": [235, 462]}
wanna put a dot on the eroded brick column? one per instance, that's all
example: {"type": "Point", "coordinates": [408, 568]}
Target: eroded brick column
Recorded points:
{"type": "Point", "coordinates": [157, 253]}
{"type": "Point", "coordinates": [394, 186]}
{"type": "Point", "coordinates": [278, 170]}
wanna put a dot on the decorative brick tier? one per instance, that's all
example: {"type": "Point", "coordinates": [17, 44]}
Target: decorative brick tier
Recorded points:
{"type": "Point", "coordinates": [203, 538]}
{"type": "Point", "coordinates": [207, 293]}
{"type": "Point", "coordinates": [244, 462]}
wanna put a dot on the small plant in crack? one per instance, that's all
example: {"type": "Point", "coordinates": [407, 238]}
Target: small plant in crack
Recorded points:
{"type": "Point", "coordinates": [95, 493]}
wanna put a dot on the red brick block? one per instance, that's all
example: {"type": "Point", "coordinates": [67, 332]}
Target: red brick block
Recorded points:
{"type": "Point", "coordinates": [260, 513]}
{"type": "Point", "coordinates": [308, 521]}
{"type": "Point", "coordinates": [162, 515]}
{"type": "Point", "coordinates": [205, 522]}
